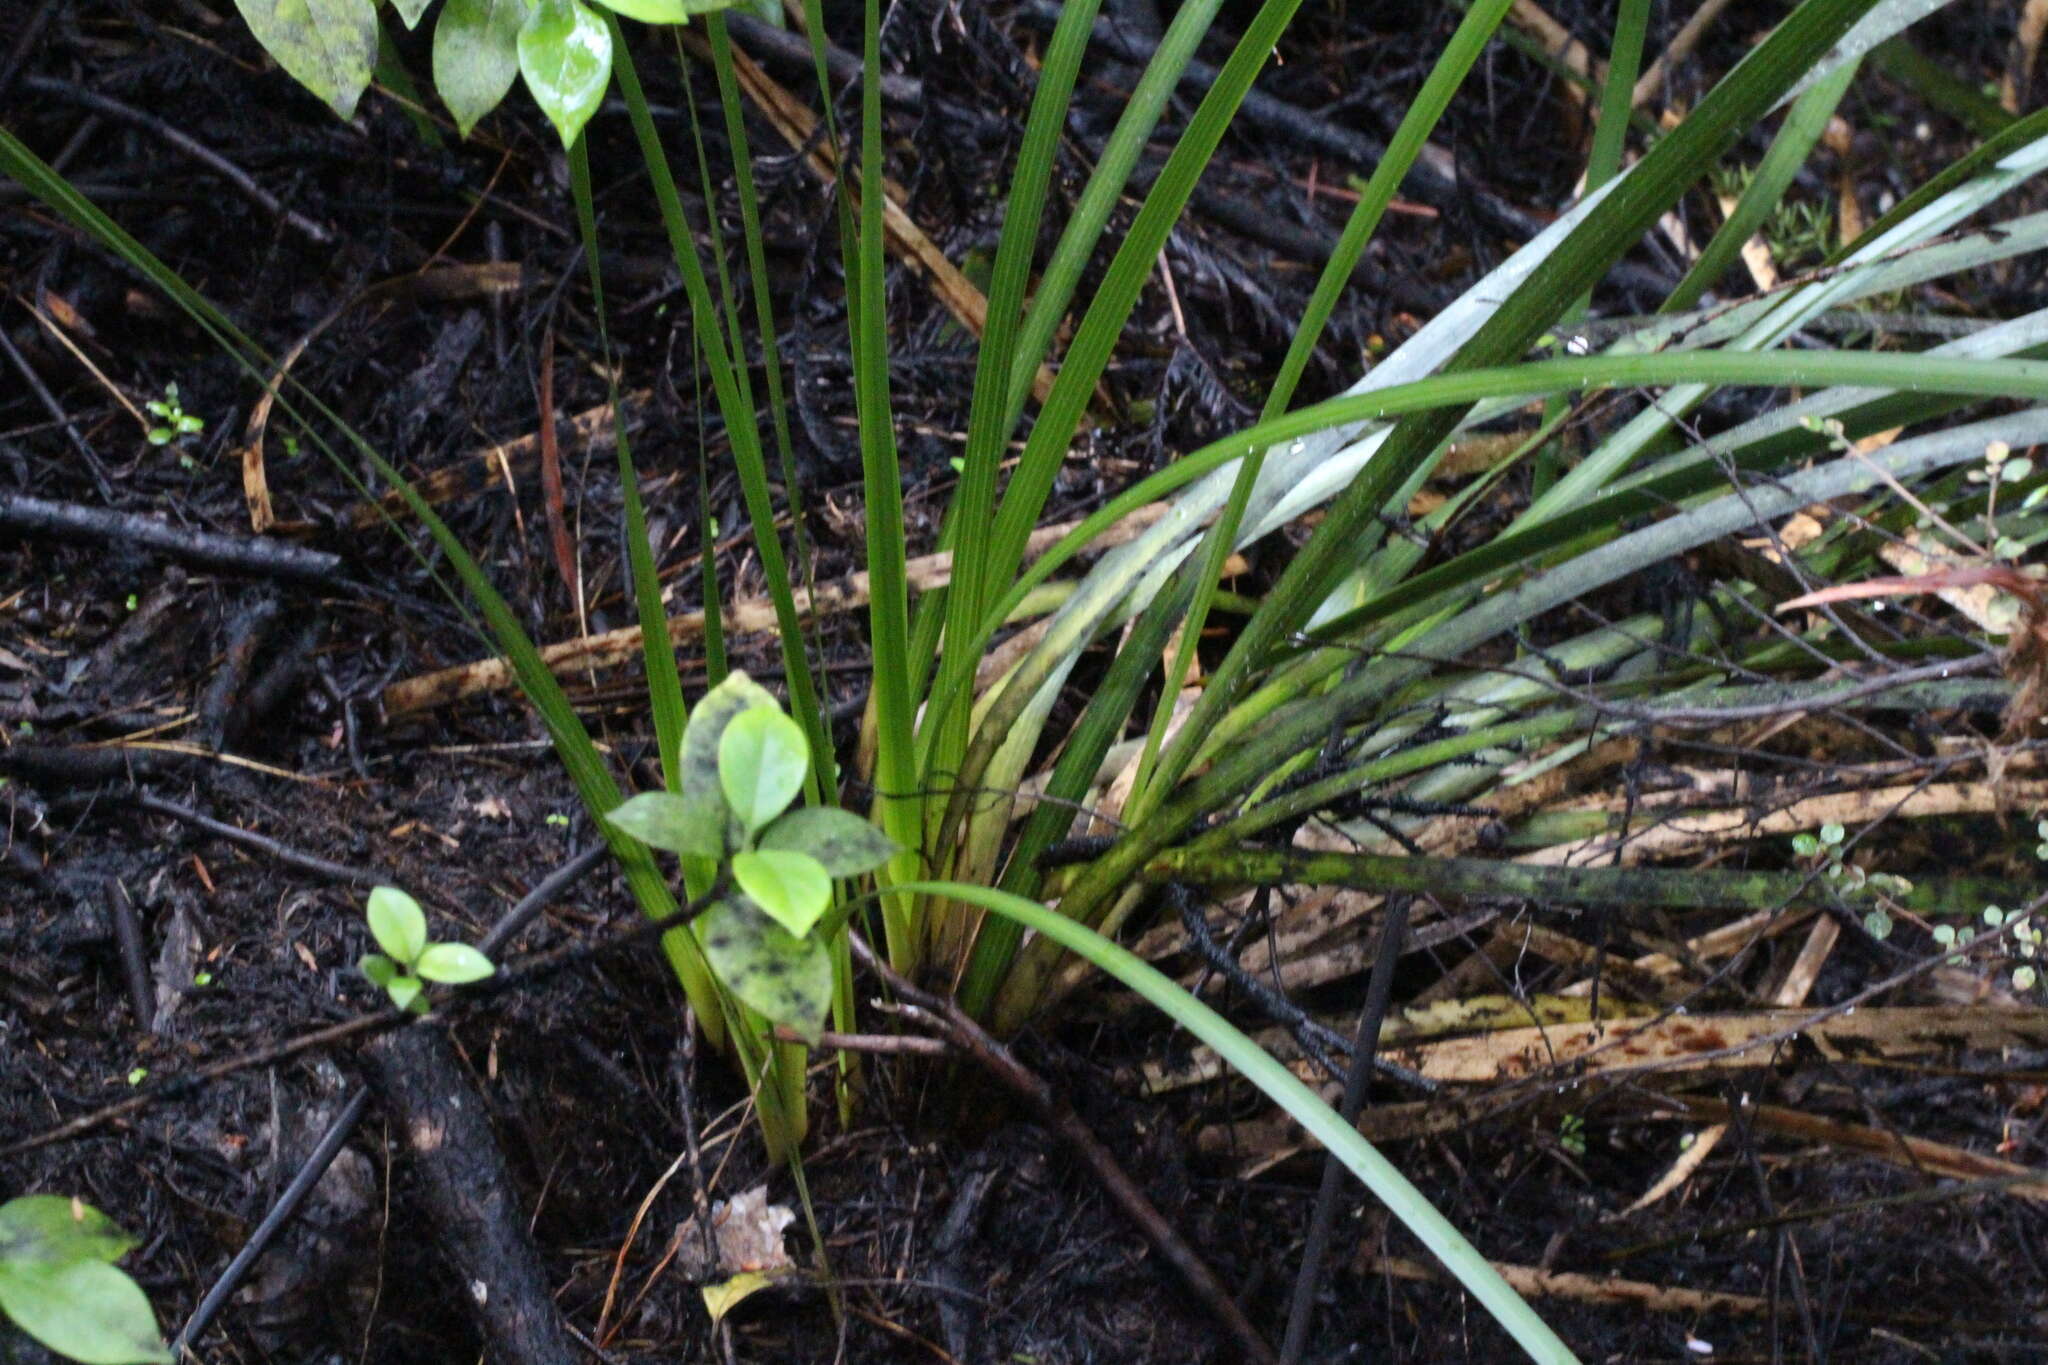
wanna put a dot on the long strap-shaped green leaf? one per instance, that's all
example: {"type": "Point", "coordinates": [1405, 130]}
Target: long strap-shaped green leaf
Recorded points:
{"type": "Point", "coordinates": [1630, 206]}
{"type": "Point", "coordinates": [579, 756]}
{"type": "Point", "coordinates": [734, 403]}
{"type": "Point", "coordinates": [1393, 1189]}
{"type": "Point", "coordinates": [1424, 112]}
{"type": "Point", "coordinates": [1243, 765]}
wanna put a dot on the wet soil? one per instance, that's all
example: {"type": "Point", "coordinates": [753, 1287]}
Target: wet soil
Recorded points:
{"type": "Point", "coordinates": [148, 691]}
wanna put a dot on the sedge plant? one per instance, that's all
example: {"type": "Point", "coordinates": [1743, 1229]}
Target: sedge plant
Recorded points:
{"type": "Point", "coordinates": [1319, 693]}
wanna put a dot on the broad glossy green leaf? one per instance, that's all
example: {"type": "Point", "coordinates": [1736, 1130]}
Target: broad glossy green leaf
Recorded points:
{"type": "Point", "coordinates": [762, 759]}
{"type": "Point", "coordinates": [792, 888]}
{"type": "Point", "coordinates": [454, 964]}
{"type": "Point", "coordinates": [666, 821]}
{"type": "Point", "coordinates": [846, 844]}
{"type": "Point", "coordinates": [786, 979]}
{"type": "Point", "coordinates": [565, 53]}
{"type": "Point", "coordinates": [51, 1229]}
{"type": "Point", "coordinates": [398, 924]}
{"type": "Point", "coordinates": [328, 46]}
{"type": "Point", "coordinates": [476, 56]}
{"type": "Point", "coordinates": [664, 11]}
{"type": "Point", "coordinates": [87, 1310]}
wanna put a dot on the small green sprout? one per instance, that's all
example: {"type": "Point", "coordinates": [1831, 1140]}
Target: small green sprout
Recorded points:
{"type": "Point", "coordinates": [410, 960]}
{"type": "Point", "coordinates": [173, 422]}
{"type": "Point", "coordinates": [557, 820]}
{"type": "Point", "coordinates": [137, 1075]}
{"type": "Point", "coordinates": [1571, 1134]}
{"type": "Point", "coordinates": [1826, 846]}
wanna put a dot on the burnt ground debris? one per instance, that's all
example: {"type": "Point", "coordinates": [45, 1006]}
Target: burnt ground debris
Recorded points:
{"type": "Point", "coordinates": [244, 692]}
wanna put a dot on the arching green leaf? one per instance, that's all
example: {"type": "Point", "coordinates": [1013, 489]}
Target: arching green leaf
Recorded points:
{"type": "Point", "coordinates": [790, 887]}
{"type": "Point", "coordinates": [666, 821]}
{"type": "Point", "coordinates": [87, 1310]}
{"type": "Point", "coordinates": [846, 844]}
{"type": "Point", "coordinates": [398, 924]}
{"type": "Point", "coordinates": [51, 1229]}
{"type": "Point", "coordinates": [454, 964]}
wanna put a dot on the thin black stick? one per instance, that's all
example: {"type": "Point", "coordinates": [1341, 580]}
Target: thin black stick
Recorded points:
{"type": "Point", "coordinates": [307, 1176]}
{"type": "Point", "coordinates": [1377, 994]}
{"type": "Point", "coordinates": [244, 183]}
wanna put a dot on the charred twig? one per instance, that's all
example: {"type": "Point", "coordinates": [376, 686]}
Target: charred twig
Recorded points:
{"type": "Point", "coordinates": [302, 1183]}
{"type": "Point", "coordinates": [1378, 992]}
{"type": "Point", "coordinates": [945, 1017]}
{"type": "Point", "coordinates": [128, 938]}
{"type": "Point", "coordinates": [1434, 178]}
{"type": "Point", "coordinates": [537, 968]}
{"type": "Point", "coordinates": [233, 554]}
{"type": "Point", "coordinates": [246, 631]}
{"type": "Point", "coordinates": [175, 1086]}
{"type": "Point", "coordinates": [260, 843]}
{"type": "Point", "coordinates": [244, 183]}
{"type": "Point", "coordinates": [64, 420]}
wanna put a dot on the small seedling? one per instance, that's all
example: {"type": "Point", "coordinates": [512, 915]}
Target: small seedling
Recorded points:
{"type": "Point", "coordinates": [1849, 879]}
{"type": "Point", "coordinates": [1571, 1134]}
{"type": "Point", "coordinates": [743, 764]}
{"type": "Point", "coordinates": [409, 960]}
{"type": "Point", "coordinates": [59, 1283]}
{"type": "Point", "coordinates": [173, 422]}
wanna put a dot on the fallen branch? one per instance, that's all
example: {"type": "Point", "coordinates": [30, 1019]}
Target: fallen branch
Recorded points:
{"type": "Point", "coordinates": [93, 526]}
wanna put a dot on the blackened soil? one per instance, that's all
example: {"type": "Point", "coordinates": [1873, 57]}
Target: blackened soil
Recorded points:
{"type": "Point", "coordinates": [952, 1227]}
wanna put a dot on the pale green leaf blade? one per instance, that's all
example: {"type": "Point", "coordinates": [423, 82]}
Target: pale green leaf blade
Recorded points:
{"type": "Point", "coordinates": [666, 821]}
{"type": "Point", "coordinates": [736, 695]}
{"type": "Point", "coordinates": [791, 888]}
{"type": "Point", "coordinates": [405, 993]}
{"type": "Point", "coordinates": [454, 964]}
{"type": "Point", "coordinates": [87, 1310]}
{"type": "Point", "coordinates": [664, 11]}
{"type": "Point", "coordinates": [476, 56]}
{"type": "Point", "coordinates": [381, 970]}
{"type": "Point", "coordinates": [398, 924]}
{"type": "Point", "coordinates": [328, 46]}
{"type": "Point", "coordinates": [411, 10]}
{"type": "Point", "coordinates": [846, 844]}
{"type": "Point", "coordinates": [786, 979]}
{"type": "Point", "coordinates": [53, 1229]}
{"type": "Point", "coordinates": [762, 759]}
{"type": "Point", "coordinates": [565, 53]}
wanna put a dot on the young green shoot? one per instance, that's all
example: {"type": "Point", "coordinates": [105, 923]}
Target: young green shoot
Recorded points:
{"type": "Point", "coordinates": [411, 960]}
